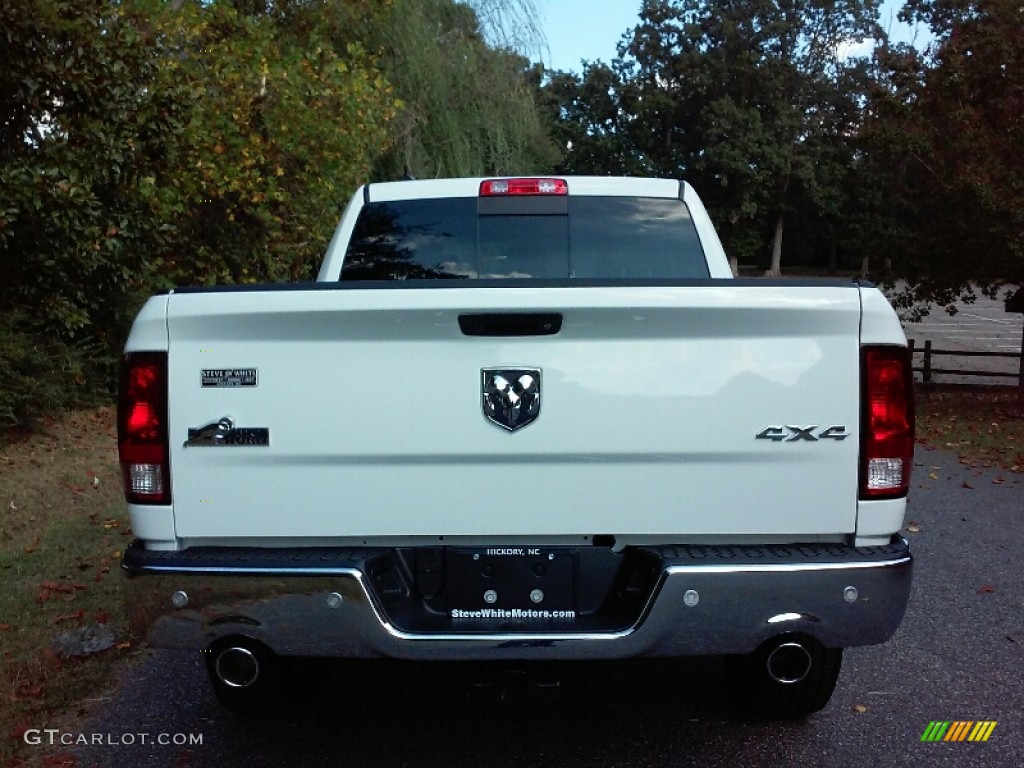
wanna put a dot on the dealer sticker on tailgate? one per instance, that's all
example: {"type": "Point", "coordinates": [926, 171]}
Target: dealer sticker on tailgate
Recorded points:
{"type": "Point", "coordinates": [229, 377]}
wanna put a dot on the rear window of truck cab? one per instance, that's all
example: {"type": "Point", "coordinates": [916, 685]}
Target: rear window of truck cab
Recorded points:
{"type": "Point", "coordinates": [582, 237]}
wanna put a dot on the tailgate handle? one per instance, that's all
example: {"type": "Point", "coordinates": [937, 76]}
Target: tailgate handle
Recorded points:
{"type": "Point", "coordinates": [511, 324]}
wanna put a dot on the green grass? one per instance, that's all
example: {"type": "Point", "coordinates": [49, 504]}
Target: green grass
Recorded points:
{"type": "Point", "coordinates": [64, 528]}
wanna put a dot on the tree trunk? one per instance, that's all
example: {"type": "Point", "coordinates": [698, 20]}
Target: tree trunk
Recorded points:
{"type": "Point", "coordinates": [734, 264]}
{"type": "Point", "coordinates": [776, 270]}
{"type": "Point", "coordinates": [865, 265]}
{"type": "Point", "coordinates": [833, 256]}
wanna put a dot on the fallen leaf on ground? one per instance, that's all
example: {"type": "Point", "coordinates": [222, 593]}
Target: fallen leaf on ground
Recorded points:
{"type": "Point", "coordinates": [69, 616]}
{"type": "Point", "coordinates": [63, 586]}
{"type": "Point", "coordinates": [859, 709]}
{"type": "Point", "coordinates": [988, 589]}
{"type": "Point", "coordinates": [29, 691]}
{"type": "Point", "coordinates": [60, 761]}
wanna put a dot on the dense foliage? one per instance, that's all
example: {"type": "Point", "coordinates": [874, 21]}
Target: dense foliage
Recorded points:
{"type": "Point", "coordinates": [146, 144]}
{"type": "Point", "coordinates": [902, 163]}
{"type": "Point", "coordinates": [949, 127]}
{"type": "Point", "coordinates": [469, 109]}
{"type": "Point", "coordinates": [752, 102]}
{"type": "Point", "coordinates": [151, 143]}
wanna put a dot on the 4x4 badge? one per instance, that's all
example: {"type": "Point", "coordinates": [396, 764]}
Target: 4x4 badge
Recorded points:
{"type": "Point", "coordinates": [798, 433]}
{"type": "Point", "coordinates": [511, 396]}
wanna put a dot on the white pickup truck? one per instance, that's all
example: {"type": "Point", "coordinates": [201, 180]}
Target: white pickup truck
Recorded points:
{"type": "Point", "coordinates": [520, 419]}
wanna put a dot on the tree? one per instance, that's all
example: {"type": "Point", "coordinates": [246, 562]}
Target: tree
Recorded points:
{"type": "Point", "coordinates": [749, 100]}
{"type": "Point", "coordinates": [286, 117]}
{"type": "Point", "coordinates": [84, 126]}
{"type": "Point", "coordinates": [753, 103]}
{"type": "Point", "coordinates": [589, 124]}
{"type": "Point", "coordinates": [510, 24]}
{"type": "Point", "coordinates": [952, 134]}
{"type": "Point", "coordinates": [468, 109]}
{"type": "Point", "coordinates": [147, 145]}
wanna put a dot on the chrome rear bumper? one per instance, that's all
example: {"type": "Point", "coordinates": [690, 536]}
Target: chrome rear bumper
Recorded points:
{"type": "Point", "coordinates": [706, 600]}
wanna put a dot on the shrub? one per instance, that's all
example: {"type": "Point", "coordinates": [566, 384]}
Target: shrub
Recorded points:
{"type": "Point", "coordinates": [40, 374]}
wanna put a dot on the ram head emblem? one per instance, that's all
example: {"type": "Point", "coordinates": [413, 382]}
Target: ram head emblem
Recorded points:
{"type": "Point", "coordinates": [511, 396]}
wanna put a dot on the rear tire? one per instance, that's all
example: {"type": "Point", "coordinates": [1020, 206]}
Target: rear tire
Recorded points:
{"type": "Point", "coordinates": [776, 700]}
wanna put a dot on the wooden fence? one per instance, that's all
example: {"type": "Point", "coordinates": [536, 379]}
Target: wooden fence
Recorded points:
{"type": "Point", "coordinates": [927, 369]}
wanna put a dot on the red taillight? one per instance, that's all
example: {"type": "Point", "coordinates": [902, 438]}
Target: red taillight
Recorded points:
{"type": "Point", "coordinates": [887, 448]}
{"type": "Point", "coordinates": [142, 428]}
{"type": "Point", "coordinates": [509, 187]}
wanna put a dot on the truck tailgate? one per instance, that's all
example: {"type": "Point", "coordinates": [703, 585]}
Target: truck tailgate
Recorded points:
{"type": "Point", "coordinates": [651, 403]}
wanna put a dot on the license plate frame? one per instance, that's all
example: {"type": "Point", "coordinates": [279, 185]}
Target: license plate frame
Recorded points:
{"type": "Point", "coordinates": [512, 578]}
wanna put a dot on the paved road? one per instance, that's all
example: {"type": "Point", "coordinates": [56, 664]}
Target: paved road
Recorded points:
{"type": "Point", "coordinates": [983, 326]}
{"type": "Point", "coordinates": [958, 656]}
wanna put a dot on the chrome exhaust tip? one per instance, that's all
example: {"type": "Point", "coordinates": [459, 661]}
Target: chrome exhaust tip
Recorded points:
{"type": "Point", "coordinates": [237, 667]}
{"type": "Point", "coordinates": [789, 663]}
